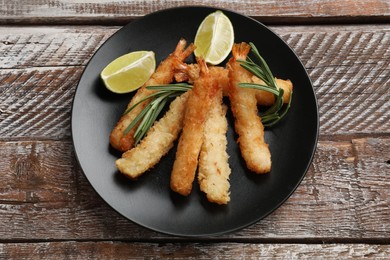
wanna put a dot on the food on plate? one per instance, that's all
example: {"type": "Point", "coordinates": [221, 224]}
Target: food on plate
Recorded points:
{"type": "Point", "coordinates": [189, 72]}
{"type": "Point", "coordinates": [190, 142]}
{"type": "Point", "coordinates": [157, 142]}
{"type": "Point", "coordinates": [122, 138]}
{"type": "Point", "coordinates": [138, 66]}
{"type": "Point", "coordinates": [247, 123]}
{"type": "Point", "coordinates": [260, 69]}
{"type": "Point", "coordinates": [214, 38]}
{"type": "Point", "coordinates": [201, 115]}
{"type": "Point", "coordinates": [214, 170]}
{"type": "Point", "coordinates": [198, 115]}
{"type": "Point", "coordinates": [265, 98]}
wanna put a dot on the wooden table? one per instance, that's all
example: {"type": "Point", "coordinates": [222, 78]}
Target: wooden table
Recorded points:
{"type": "Point", "coordinates": [48, 209]}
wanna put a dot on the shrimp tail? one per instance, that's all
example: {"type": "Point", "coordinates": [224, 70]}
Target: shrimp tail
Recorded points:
{"type": "Point", "coordinates": [181, 52]}
{"type": "Point", "coordinates": [240, 50]}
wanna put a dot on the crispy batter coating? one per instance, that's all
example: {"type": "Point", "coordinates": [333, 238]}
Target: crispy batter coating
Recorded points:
{"type": "Point", "coordinates": [157, 143]}
{"type": "Point", "coordinates": [188, 72]}
{"type": "Point", "coordinates": [190, 142]}
{"type": "Point", "coordinates": [163, 75]}
{"type": "Point", "coordinates": [214, 170]}
{"type": "Point", "coordinates": [247, 124]}
{"type": "Point", "coordinates": [287, 86]}
{"type": "Point", "coordinates": [265, 98]}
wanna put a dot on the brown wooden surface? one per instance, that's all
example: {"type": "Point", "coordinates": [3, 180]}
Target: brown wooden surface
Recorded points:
{"type": "Point", "coordinates": [120, 12]}
{"type": "Point", "coordinates": [350, 79]}
{"type": "Point", "coordinates": [49, 210]}
{"type": "Point", "coordinates": [125, 250]}
{"type": "Point", "coordinates": [341, 199]}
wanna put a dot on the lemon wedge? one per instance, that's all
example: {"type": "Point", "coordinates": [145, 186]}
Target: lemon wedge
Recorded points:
{"type": "Point", "coordinates": [214, 38]}
{"type": "Point", "coordinates": [129, 72]}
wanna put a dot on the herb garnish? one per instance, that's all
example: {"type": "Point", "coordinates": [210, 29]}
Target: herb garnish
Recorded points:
{"type": "Point", "coordinates": [150, 113]}
{"type": "Point", "coordinates": [261, 70]}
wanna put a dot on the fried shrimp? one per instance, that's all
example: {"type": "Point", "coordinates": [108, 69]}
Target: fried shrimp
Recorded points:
{"type": "Point", "coordinates": [157, 143]}
{"type": "Point", "coordinates": [214, 170]}
{"type": "Point", "coordinates": [163, 75]}
{"type": "Point", "coordinates": [188, 72]}
{"type": "Point", "coordinates": [191, 139]}
{"type": "Point", "coordinates": [247, 123]}
{"type": "Point", "coordinates": [265, 98]}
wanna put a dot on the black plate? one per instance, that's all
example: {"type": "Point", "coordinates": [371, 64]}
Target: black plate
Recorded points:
{"type": "Point", "coordinates": [149, 201]}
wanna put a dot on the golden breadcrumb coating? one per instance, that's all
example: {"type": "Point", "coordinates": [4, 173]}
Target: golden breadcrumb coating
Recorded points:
{"type": "Point", "coordinates": [158, 141]}
{"type": "Point", "coordinates": [265, 98]}
{"type": "Point", "coordinates": [214, 170]}
{"type": "Point", "coordinates": [163, 75]}
{"type": "Point", "coordinates": [247, 123]}
{"type": "Point", "coordinates": [190, 142]}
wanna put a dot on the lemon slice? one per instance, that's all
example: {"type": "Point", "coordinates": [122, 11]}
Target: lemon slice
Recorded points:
{"type": "Point", "coordinates": [129, 72]}
{"type": "Point", "coordinates": [214, 38]}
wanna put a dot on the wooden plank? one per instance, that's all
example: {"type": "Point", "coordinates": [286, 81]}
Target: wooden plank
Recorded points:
{"type": "Point", "coordinates": [24, 47]}
{"type": "Point", "coordinates": [120, 12]}
{"type": "Point", "coordinates": [350, 78]}
{"type": "Point", "coordinates": [127, 250]}
{"type": "Point", "coordinates": [37, 102]}
{"type": "Point", "coordinates": [343, 198]}
{"type": "Point", "coordinates": [349, 69]}
{"type": "Point", "coordinates": [317, 46]}
{"type": "Point", "coordinates": [37, 172]}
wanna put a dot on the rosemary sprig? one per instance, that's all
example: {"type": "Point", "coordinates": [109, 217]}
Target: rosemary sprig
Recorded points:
{"type": "Point", "coordinates": [259, 87]}
{"type": "Point", "coordinates": [150, 113]}
{"type": "Point", "coordinates": [261, 70]}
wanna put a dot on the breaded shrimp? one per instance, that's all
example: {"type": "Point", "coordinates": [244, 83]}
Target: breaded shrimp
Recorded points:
{"type": "Point", "coordinates": [163, 75]}
{"type": "Point", "coordinates": [190, 72]}
{"type": "Point", "coordinates": [214, 170]}
{"type": "Point", "coordinates": [265, 98]}
{"type": "Point", "coordinates": [187, 73]}
{"type": "Point", "coordinates": [247, 123]}
{"type": "Point", "coordinates": [157, 143]}
{"type": "Point", "coordinates": [190, 142]}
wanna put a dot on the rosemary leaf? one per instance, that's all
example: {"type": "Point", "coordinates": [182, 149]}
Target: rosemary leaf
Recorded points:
{"type": "Point", "coordinates": [172, 87]}
{"type": "Point", "coordinates": [277, 104]}
{"type": "Point", "coordinates": [255, 70]}
{"type": "Point", "coordinates": [149, 117]}
{"type": "Point", "coordinates": [136, 119]}
{"type": "Point", "coordinates": [269, 118]}
{"type": "Point", "coordinates": [144, 121]}
{"type": "Point", "coordinates": [159, 108]}
{"type": "Point", "coordinates": [261, 70]}
{"type": "Point", "coordinates": [272, 123]}
{"type": "Point", "coordinates": [283, 114]}
{"type": "Point", "coordinates": [263, 64]}
{"type": "Point", "coordinates": [139, 102]}
{"type": "Point", "coordinates": [150, 113]}
{"type": "Point", "coordinates": [259, 87]}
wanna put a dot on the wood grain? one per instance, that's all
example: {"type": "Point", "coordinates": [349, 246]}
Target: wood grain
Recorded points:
{"type": "Point", "coordinates": [343, 198]}
{"type": "Point", "coordinates": [26, 47]}
{"type": "Point", "coordinates": [37, 102]}
{"type": "Point", "coordinates": [48, 210]}
{"type": "Point", "coordinates": [123, 250]}
{"type": "Point", "coordinates": [40, 68]}
{"type": "Point", "coordinates": [351, 80]}
{"type": "Point", "coordinates": [120, 12]}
